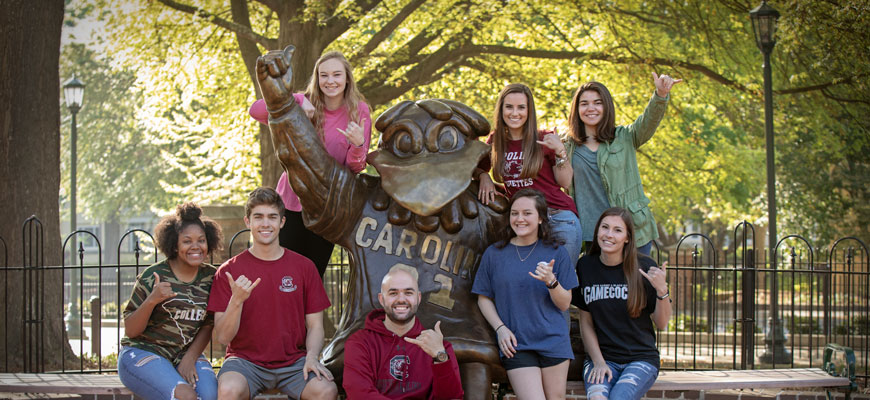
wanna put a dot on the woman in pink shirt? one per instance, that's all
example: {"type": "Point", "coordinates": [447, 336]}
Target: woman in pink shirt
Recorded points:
{"type": "Point", "coordinates": [339, 112]}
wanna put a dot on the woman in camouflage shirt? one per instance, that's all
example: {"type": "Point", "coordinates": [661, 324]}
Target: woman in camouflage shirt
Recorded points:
{"type": "Point", "coordinates": [165, 321]}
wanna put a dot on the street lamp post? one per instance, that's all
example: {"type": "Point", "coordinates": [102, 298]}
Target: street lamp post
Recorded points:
{"type": "Point", "coordinates": [764, 27]}
{"type": "Point", "coordinates": [73, 92]}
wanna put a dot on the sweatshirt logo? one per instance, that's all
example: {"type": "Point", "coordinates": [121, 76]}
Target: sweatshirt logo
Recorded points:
{"type": "Point", "coordinates": [398, 366]}
{"type": "Point", "coordinates": [287, 285]}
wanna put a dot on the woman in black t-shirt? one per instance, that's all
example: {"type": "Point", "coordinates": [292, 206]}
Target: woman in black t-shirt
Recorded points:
{"type": "Point", "coordinates": [621, 295]}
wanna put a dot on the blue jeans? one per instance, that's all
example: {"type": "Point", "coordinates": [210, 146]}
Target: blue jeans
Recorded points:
{"type": "Point", "coordinates": [565, 226]}
{"type": "Point", "coordinates": [153, 377]}
{"type": "Point", "coordinates": [645, 249]}
{"type": "Point", "coordinates": [630, 381]}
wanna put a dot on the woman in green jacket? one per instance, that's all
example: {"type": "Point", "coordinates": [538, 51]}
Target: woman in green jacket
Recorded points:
{"type": "Point", "coordinates": [604, 158]}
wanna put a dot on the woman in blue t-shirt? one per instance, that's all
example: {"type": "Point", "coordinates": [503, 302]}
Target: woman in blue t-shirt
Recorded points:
{"type": "Point", "coordinates": [524, 286]}
{"type": "Point", "coordinates": [620, 295]}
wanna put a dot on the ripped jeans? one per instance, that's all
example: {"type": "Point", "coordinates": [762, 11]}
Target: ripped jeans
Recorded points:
{"type": "Point", "coordinates": [630, 381]}
{"type": "Point", "coordinates": [152, 377]}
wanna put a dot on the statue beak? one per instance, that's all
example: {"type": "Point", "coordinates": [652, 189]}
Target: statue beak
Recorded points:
{"type": "Point", "coordinates": [426, 183]}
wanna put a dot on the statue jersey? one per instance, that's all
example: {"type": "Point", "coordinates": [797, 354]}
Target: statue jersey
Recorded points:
{"type": "Point", "coordinates": [444, 248]}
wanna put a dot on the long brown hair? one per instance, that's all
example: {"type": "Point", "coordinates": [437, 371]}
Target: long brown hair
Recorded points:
{"type": "Point", "coordinates": [352, 96]}
{"type": "Point", "coordinates": [533, 155]}
{"type": "Point", "coordinates": [606, 129]}
{"type": "Point", "coordinates": [630, 264]}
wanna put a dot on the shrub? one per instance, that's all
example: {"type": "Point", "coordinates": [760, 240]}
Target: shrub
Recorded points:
{"type": "Point", "coordinates": [685, 323]}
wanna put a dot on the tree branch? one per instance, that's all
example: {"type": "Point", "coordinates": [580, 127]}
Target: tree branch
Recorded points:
{"type": "Point", "coordinates": [820, 86]}
{"type": "Point", "coordinates": [338, 24]}
{"type": "Point", "coordinates": [380, 91]}
{"type": "Point", "coordinates": [827, 93]}
{"type": "Point", "coordinates": [271, 4]}
{"type": "Point", "coordinates": [247, 48]}
{"type": "Point", "coordinates": [560, 54]}
{"type": "Point", "coordinates": [231, 26]}
{"type": "Point", "coordinates": [387, 29]}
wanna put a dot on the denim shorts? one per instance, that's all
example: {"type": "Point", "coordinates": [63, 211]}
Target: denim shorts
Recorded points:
{"type": "Point", "coordinates": [153, 377]}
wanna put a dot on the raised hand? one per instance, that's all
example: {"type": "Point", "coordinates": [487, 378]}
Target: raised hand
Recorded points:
{"type": "Point", "coordinates": [544, 272]}
{"type": "Point", "coordinates": [160, 291]}
{"type": "Point", "coordinates": [241, 287]}
{"type": "Point", "coordinates": [430, 340]}
{"type": "Point", "coordinates": [354, 133]}
{"type": "Point", "coordinates": [664, 84]}
{"type": "Point", "coordinates": [275, 77]}
{"type": "Point", "coordinates": [553, 142]}
{"type": "Point", "coordinates": [657, 277]}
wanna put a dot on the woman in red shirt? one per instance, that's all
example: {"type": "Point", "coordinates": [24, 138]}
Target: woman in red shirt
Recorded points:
{"type": "Point", "coordinates": [522, 156]}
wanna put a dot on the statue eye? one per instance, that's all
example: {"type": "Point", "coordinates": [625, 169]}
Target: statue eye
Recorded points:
{"type": "Point", "coordinates": [404, 143]}
{"type": "Point", "coordinates": [448, 138]}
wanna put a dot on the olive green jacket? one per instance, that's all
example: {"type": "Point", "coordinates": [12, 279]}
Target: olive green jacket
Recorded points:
{"type": "Point", "coordinates": [617, 163]}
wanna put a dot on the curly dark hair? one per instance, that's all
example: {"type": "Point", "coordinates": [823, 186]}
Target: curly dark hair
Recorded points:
{"type": "Point", "coordinates": [545, 232]}
{"type": "Point", "coordinates": [171, 226]}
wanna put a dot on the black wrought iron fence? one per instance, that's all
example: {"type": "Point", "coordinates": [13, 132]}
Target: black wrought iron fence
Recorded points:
{"type": "Point", "coordinates": [732, 308]}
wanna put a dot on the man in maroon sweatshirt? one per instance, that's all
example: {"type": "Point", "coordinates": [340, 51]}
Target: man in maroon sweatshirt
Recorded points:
{"type": "Point", "coordinates": [392, 357]}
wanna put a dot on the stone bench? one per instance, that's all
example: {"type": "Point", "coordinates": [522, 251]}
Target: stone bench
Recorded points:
{"type": "Point", "coordinates": [78, 384]}
{"type": "Point", "coordinates": [834, 375]}
{"type": "Point", "coordinates": [838, 372]}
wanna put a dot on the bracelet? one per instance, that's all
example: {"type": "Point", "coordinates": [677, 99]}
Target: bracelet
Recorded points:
{"type": "Point", "coordinates": [665, 296]}
{"type": "Point", "coordinates": [499, 327]}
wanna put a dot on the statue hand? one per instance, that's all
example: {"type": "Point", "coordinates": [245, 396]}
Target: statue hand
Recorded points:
{"type": "Point", "coordinates": [275, 76]}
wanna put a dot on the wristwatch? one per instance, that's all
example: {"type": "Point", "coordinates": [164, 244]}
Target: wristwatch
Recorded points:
{"type": "Point", "coordinates": [440, 357]}
{"type": "Point", "coordinates": [553, 284]}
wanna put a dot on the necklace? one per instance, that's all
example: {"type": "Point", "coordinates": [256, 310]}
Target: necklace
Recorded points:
{"type": "Point", "coordinates": [517, 248]}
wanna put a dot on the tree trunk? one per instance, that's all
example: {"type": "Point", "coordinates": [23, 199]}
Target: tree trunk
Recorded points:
{"type": "Point", "coordinates": [30, 179]}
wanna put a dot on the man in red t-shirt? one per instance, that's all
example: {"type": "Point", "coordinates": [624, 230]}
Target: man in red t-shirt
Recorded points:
{"type": "Point", "coordinates": [393, 357]}
{"type": "Point", "coordinates": [268, 303]}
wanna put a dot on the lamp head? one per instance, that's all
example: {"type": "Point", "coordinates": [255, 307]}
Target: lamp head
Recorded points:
{"type": "Point", "coordinates": [764, 26]}
{"type": "Point", "coordinates": [73, 92]}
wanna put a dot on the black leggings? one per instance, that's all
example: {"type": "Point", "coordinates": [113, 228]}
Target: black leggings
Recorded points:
{"type": "Point", "coordinates": [295, 236]}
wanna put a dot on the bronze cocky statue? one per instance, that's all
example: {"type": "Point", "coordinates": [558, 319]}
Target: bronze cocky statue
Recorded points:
{"type": "Point", "coordinates": [422, 211]}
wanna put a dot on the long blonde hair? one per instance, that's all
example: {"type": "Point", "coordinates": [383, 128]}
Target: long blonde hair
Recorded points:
{"type": "Point", "coordinates": [533, 155]}
{"type": "Point", "coordinates": [352, 96]}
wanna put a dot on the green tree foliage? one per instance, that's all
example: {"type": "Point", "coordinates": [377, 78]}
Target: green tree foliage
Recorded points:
{"type": "Point", "coordinates": [194, 60]}
{"type": "Point", "coordinates": [117, 168]}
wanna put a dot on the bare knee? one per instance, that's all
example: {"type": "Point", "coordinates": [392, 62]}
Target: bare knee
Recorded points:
{"type": "Point", "coordinates": [320, 389]}
{"type": "Point", "coordinates": [232, 386]}
{"type": "Point", "coordinates": [184, 392]}
{"type": "Point", "coordinates": [555, 395]}
{"type": "Point", "coordinates": [597, 392]}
